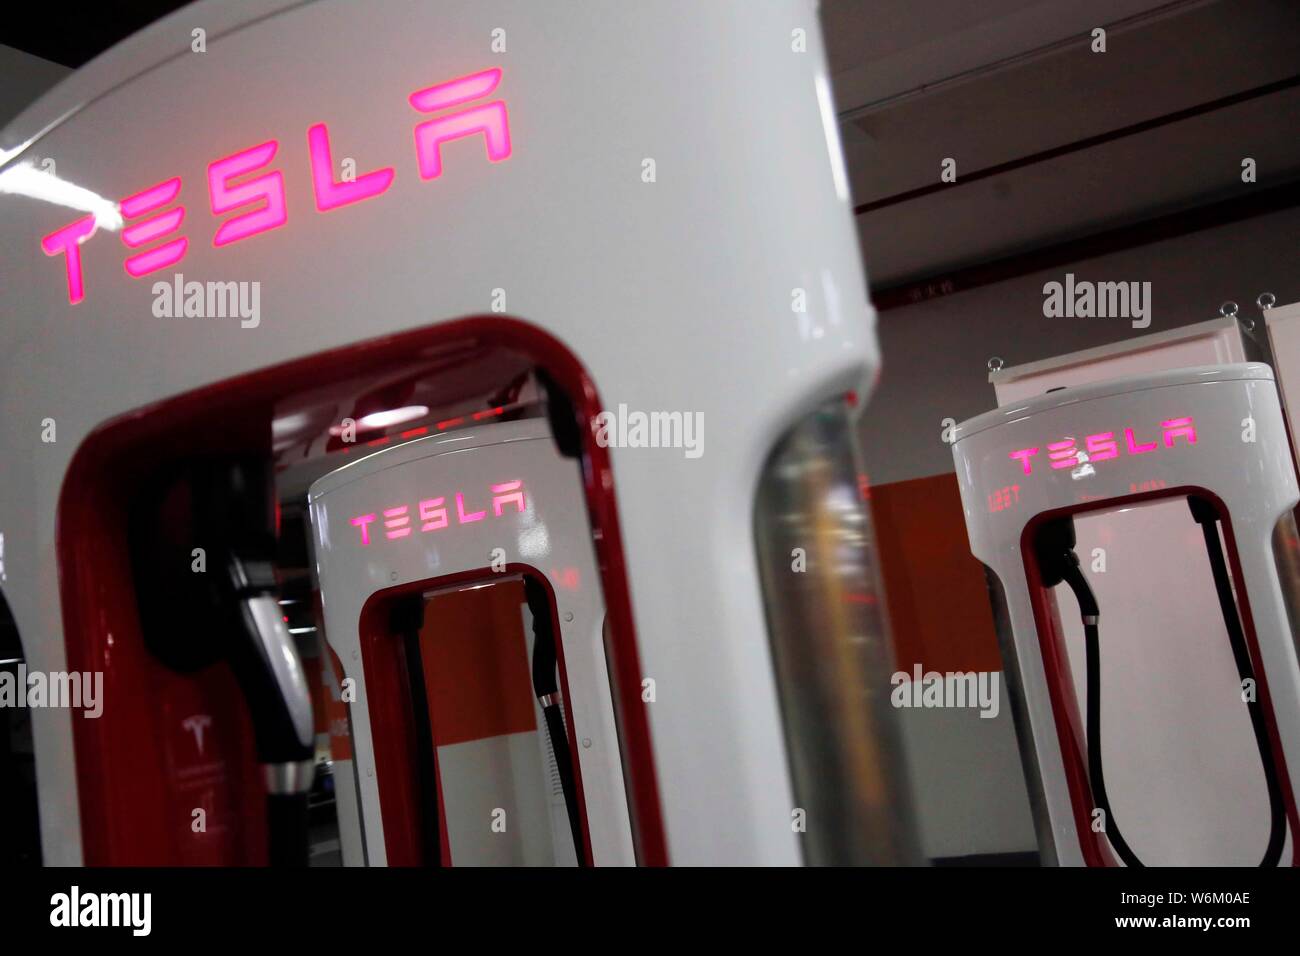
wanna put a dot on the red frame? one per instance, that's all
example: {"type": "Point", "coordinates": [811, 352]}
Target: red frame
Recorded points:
{"type": "Point", "coordinates": [388, 702]}
{"type": "Point", "coordinates": [1060, 682]}
{"type": "Point", "coordinates": [123, 782]}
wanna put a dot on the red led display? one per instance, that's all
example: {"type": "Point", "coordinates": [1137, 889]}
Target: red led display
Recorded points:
{"type": "Point", "coordinates": [1004, 498]}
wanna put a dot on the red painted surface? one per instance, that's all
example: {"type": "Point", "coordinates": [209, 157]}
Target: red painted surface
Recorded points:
{"type": "Point", "coordinates": [1060, 684]}
{"type": "Point", "coordinates": [125, 789]}
{"type": "Point", "coordinates": [921, 539]}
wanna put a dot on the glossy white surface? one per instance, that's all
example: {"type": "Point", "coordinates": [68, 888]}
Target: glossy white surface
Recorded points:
{"type": "Point", "coordinates": [552, 535]}
{"type": "Point", "coordinates": [675, 295]}
{"type": "Point", "coordinates": [1255, 480]}
{"type": "Point", "coordinates": [1108, 387]}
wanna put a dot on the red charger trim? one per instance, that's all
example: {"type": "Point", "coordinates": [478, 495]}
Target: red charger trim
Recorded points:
{"type": "Point", "coordinates": [1060, 684]}
{"type": "Point", "coordinates": [122, 780]}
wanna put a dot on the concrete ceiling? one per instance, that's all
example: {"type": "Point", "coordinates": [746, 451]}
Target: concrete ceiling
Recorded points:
{"type": "Point", "coordinates": [1003, 81]}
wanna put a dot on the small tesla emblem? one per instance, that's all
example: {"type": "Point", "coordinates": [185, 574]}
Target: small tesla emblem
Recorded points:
{"type": "Point", "coordinates": [196, 725]}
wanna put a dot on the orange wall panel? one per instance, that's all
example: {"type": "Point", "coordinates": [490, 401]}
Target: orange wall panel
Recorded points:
{"type": "Point", "coordinates": [939, 610]}
{"type": "Point", "coordinates": [476, 665]}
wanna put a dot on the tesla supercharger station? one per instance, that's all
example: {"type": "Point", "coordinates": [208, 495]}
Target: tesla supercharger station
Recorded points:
{"type": "Point", "coordinates": [469, 514]}
{"type": "Point", "coordinates": [421, 206]}
{"type": "Point", "coordinates": [1153, 671]}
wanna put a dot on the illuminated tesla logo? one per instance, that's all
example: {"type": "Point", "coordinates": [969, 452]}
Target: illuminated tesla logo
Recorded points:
{"type": "Point", "coordinates": [434, 514]}
{"type": "Point", "coordinates": [1067, 453]}
{"type": "Point", "coordinates": [250, 196]}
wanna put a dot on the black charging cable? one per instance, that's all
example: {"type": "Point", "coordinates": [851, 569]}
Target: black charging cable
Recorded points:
{"type": "Point", "coordinates": [1058, 563]}
{"type": "Point", "coordinates": [406, 618]}
{"type": "Point", "coordinates": [1207, 517]}
{"type": "Point", "coordinates": [546, 687]}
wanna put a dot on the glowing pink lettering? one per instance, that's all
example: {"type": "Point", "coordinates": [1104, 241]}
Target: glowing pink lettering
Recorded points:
{"type": "Point", "coordinates": [502, 495]}
{"type": "Point", "coordinates": [464, 518]}
{"type": "Point", "coordinates": [1151, 484]}
{"type": "Point", "coordinates": [566, 578]}
{"type": "Point", "coordinates": [362, 522]}
{"type": "Point", "coordinates": [490, 119]}
{"type": "Point", "coordinates": [433, 514]}
{"type": "Point", "coordinates": [1178, 426]}
{"type": "Point", "coordinates": [155, 227]}
{"type": "Point", "coordinates": [260, 200]}
{"type": "Point", "coordinates": [267, 190]}
{"type": "Point", "coordinates": [331, 194]}
{"type": "Point", "coordinates": [1102, 446]}
{"type": "Point", "coordinates": [1024, 455]}
{"type": "Point", "coordinates": [397, 522]}
{"type": "Point", "coordinates": [1063, 454]}
{"type": "Point", "coordinates": [1134, 448]}
{"type": "Point", "coordinates": [68, 241]}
